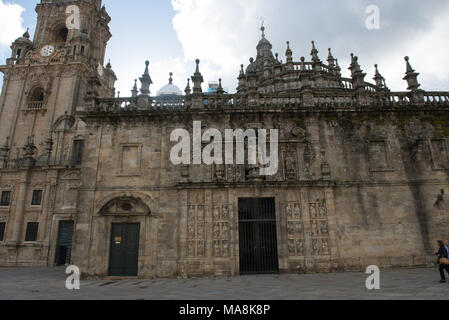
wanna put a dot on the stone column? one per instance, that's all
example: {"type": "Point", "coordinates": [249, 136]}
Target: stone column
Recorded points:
{"type": "Point", "coordinates": [47, 214]}
{"type": "Point", "coordinates": [20, 209]}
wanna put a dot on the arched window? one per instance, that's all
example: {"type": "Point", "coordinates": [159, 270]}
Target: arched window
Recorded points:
{"type": "Point", "coordinates": [36, 99]}
{"type": "Point", "coordinates": [61, 34]}
{"type": "Point", "coordinates": [37, 95]}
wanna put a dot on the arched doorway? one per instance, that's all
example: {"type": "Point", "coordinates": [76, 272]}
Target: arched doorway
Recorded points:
{"type": "Point", "coordinates": [125, 216]}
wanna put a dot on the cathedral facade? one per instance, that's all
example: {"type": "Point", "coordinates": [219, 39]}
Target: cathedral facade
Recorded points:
{"type": "Point", "coordinates": [86, 178]}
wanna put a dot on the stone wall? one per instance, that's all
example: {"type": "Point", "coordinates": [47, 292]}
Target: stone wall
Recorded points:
{"type": "Point", "coordinates": [384, 202]}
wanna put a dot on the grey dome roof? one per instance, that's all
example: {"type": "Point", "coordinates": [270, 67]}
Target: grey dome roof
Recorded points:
{"type": "Point", "coordinates": [170, 89]}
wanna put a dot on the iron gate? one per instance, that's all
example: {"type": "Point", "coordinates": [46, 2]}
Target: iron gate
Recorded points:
{"type": "Point", "coordinates": [258, 236]}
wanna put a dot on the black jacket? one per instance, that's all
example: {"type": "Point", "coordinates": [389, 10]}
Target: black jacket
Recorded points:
{"type": "Point", "coordinates": [442, 253]}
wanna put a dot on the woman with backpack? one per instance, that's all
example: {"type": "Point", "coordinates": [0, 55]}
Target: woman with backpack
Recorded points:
{"type": "Point", "coordinates": [442, 253]}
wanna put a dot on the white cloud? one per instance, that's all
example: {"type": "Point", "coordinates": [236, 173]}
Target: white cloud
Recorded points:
{"type": "Point", "coordinates": [224, 34]}
{"type": "Point", "coordinates": [10, 22]}
{"type": "Point", "coordinates": [10, 28]}
{"type": "Point", "coordinates": [429, 55]}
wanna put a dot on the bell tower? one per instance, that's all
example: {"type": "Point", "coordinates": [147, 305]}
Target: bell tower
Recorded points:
{"type": "Point", "coordinates": [79, 26]}
{"type": "Point", "coordinates": [47, 78]}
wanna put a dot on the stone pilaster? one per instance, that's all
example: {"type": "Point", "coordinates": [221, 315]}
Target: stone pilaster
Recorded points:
{"type": "Point", "coordinates": [16, 237]}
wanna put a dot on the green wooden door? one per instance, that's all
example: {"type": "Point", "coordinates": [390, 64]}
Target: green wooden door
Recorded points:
{"type": "Point", "coordinates": [124, 255]}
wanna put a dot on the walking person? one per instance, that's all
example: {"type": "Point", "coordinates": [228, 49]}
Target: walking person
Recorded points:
{"type": "Point", "coordinates": [447, 248]}
{"type": "Point", "coordinates": [442, 253]}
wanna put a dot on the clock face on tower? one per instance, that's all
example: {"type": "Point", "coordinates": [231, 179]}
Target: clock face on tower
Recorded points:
{"type": "Point", "coordinates": [47, 50]}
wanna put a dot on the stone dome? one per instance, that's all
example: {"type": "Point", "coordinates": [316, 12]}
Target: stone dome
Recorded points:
{"type": "Point", "coordinates": [170, 89]}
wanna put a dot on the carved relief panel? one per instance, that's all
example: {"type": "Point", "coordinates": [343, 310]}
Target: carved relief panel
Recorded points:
{"type": "Point", "coordinates": [221, 230]}
{"type": "Point", "coordinates": [319, 228]}
{"type": "Point", "coordinates": [196, 231]}
{"type": "Point", "coordinates": [295, 229]}
{"type": "Point", "coordinates": [290, 162]}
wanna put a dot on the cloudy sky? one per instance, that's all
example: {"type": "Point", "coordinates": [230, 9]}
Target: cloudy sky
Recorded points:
{"type": "Point", "coordinates": [171, 34]}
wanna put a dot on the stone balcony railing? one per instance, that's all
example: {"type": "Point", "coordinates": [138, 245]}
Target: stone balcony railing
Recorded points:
{"type": "Point", "coordinates": [42, 161]}
{"type": "Point", "coordinates": [319, 99]}
{"type": "Point", "coordinates": [34, 105]}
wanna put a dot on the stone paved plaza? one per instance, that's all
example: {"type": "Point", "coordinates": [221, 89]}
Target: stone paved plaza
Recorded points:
{"type": "Point", "coordinates": [49, 283]}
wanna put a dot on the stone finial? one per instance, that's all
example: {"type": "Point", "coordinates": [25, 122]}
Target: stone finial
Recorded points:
{"type": "Point", "coordinates": [409, 66]}
{"type": "Point", "coordinates": [242, 80]}
{"type": "Point", "coordinates": [134, 90]}
{"type": "Point", "coordinates": [380, 81]}
{"type": "Point", "coordinates": [337, 67]}
{"type": "Point", "coordinates": [303, 64]}
{"type": "Point", "coordinates": [197, 79]}
{"type": "Point", "coordinates": [352, 65]}
{"type": "Point", "coordinates": [314, 54]}
{"type": "Point", "coordinates": [330, 59]}
{"type": "Point", "coordinates": [220, 89]}
{"type": "Point", "coordinates": [357, 74]}
{"type": "Point", "coordinates": [27, 34]}
{"type": "Point", "coordinates": [411, 76]}
{"type": "Point", "coordinates": [146, 81]}
{"type": "Point", "coordinates": [187, 89]}
{"type": "Point", "coordinates": [241, 88]}
{"type": "Point", "coordinates": [289, 53]}
{"type": "Point", "coordinates": [170, 80]}
{"type": "Point", "coordinates": [263, 32]}
{"type": "Point", "coordinates": [242, 71]}
{"type": "Point", "coordinates": [377, 73]}
{"type": "Point", "coordinates": [355, 66]}
{"type": "Point", "coordinates": [197, 70]}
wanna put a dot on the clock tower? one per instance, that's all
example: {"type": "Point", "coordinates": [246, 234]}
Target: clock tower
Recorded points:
{"type": "Point", "coordinates": [41, 140]}
{"type": "Point", "coordinates": [48, 77]}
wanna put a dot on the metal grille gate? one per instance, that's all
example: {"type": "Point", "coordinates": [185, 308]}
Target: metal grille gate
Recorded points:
{"type": "Point", "coordinates": [258, 236]}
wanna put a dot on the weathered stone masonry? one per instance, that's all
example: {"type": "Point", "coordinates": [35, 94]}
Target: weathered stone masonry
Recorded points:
{"type": "Point", "coordinates": [363, 172]}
